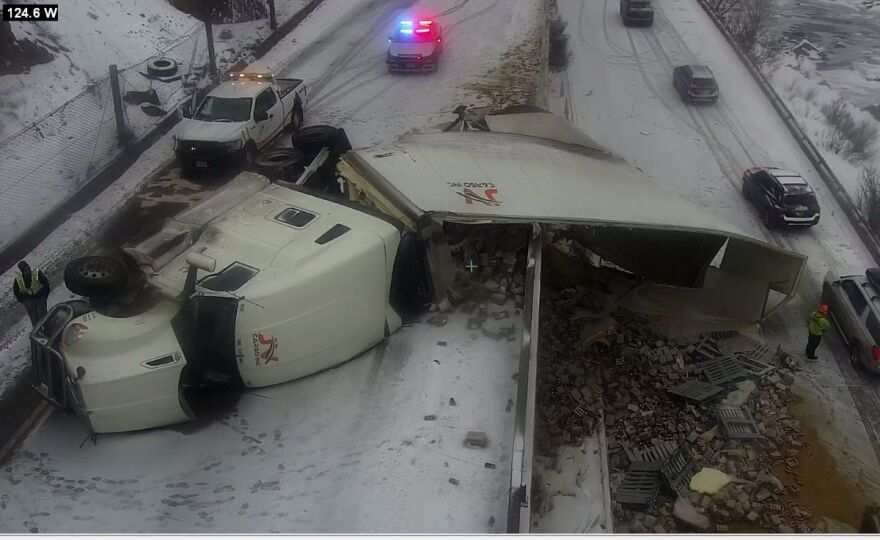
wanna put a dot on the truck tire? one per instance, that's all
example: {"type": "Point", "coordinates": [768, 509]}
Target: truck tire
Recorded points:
{"type": "Point", "coordinates": [162, 67]}
{"type": "Point", "coordinates": [280, 163]}
{"type": "Point", "coordinates": [296, 118]}
{"type": "Point", "coordinates": [250, 154]}
{"type": "Point", "coordinates": [95, 276]}
{"type": "Point", "coordinates": [311, 139]}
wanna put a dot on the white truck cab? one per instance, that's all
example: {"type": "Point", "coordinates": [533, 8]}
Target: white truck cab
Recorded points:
{"type": "Point", "coordinates": [260, 285]}
{"type": "Point", "coordinates": [238, 118]}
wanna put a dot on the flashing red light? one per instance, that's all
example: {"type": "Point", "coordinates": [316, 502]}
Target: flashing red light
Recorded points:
{"type": "Point", "coordinates": [875, 352]}
{"type": "Point", "coordinates": [422, 30]}
{"type": "Point", "coordinates": [426, 23]}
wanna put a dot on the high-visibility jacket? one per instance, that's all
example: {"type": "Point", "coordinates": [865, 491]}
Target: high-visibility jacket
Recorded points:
{"type": "Point", "coordinates": [31, 288]}
{"type": "Point", "coordinates": [819, 323]}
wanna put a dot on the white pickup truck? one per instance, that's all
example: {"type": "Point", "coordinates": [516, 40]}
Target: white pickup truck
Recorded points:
{"type": "Point", "coordinates": [238, 118]}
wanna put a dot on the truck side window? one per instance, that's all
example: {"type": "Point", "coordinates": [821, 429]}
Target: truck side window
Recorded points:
{"type": "Point", "coordinates": [265, 101]}
{"type": "Point", "coordinates": [856, 298]}
{"type": "Point", "coordinates": [873, 326]}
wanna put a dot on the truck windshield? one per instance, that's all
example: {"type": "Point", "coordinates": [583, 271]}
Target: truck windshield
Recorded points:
{"type": "Point", "coordinates": [216, 109]}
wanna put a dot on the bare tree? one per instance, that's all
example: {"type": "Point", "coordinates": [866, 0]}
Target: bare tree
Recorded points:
{"type": "Point", "coordinates": [17, 55]}
{"type": "Point", "coordinates": [722, 8]}
{"type": "Point", "coordinates": [869, 196]}
{"type": "Point", "coordinates": [752, 24]}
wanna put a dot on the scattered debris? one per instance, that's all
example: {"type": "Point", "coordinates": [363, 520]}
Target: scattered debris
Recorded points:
{"type": "Point", "coordinates": [709, 481]}
{"type": "Point", "coordinates": [476, 439]}
{"type": "Point", "coordinates": [452, 401]}
{"type": "Point", "coordinates": [431, 417]}
{"type": "Point", "coordinates": [489, 465]}
{"type": "Point", "coordinates": [688, 516]}
{"type": "Point", "coordinates": [453, 481]}
{"type": "Point", "coordinates": [438, 320]}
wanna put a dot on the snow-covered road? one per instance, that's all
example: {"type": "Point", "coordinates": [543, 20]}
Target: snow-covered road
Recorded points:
{"type": "Point", "coordinates": [348, 449]}
{"type": "Point", "coordinates": [619, 90]}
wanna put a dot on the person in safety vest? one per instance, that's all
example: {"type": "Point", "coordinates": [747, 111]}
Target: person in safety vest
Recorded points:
{"type": "Point", "coordinates": [818, 325]}
{"type": "Point", "coordinates": [31, 288]}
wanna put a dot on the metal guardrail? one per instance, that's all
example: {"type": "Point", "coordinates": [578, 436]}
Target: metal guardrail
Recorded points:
{"type": "Point", "coordinates": [849, 207]}
{"type": "Point", "coordinates": [519, 508]}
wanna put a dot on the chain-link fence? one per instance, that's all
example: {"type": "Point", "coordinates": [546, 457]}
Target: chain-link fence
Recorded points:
{"type": "Point", "coordinates": [47, 162]}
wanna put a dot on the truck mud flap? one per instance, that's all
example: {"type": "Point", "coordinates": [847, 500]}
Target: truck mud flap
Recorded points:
{"type": "Point", "coordinates": [518, 510]}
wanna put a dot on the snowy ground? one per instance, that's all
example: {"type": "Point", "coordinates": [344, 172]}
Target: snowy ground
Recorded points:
{"type": "Point", "coordinates": [805, 91]}
{"type": "Point", "coordinates": [92, 34]}
{"type": "Point", "coordinates": [348, 450]}
{"type": "Point", "coordinates": [373, 405]}
{"type": "Point", "coordinates": [619, 91]}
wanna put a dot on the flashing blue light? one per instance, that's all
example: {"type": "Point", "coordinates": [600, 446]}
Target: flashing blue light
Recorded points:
{"type": "Point", "coordinates": [405, 23]}
{"type": "Point", "coordinates": [406, 31]}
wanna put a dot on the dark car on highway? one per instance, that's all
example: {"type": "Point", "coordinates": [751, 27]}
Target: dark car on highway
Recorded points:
{"type": "Point", "coordinates": [633, 12]}
{"type": "Point", "coordinates": [695, 84]}
{"type": "Point", "coordinates": [782, 197]}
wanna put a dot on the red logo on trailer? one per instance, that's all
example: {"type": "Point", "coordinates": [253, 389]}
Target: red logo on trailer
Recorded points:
{"type": "Point", "coordinates": [265, 348]}
{"type": "Point", "coordinates": [477, 192]}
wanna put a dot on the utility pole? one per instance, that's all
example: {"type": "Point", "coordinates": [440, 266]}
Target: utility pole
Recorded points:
{"type": "Point", "coordinates": [210, 33]}
{"type": "Point", "coordinates": [121, 130]}
{"type": "Point", "coordinates": [273, 23]}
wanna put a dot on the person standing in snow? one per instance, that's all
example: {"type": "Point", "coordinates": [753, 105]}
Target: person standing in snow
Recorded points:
{"type": "Point", "coordinates": [31, 288]}
{"type": "Point", "coordinates": [818, 325]}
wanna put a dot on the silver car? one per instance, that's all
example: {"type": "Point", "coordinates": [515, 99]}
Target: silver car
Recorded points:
{"type": "Point", "coordinates": [854, 303]}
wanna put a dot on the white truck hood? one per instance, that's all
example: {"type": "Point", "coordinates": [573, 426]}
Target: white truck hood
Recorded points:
{"type": "Point", "coordinates": [197, 130]}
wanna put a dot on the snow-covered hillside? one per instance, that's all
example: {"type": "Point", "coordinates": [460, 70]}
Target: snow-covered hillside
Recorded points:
{"type": "Point", "coordinates": [805, 91]}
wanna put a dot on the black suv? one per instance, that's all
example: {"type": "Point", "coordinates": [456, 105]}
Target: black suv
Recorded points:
{"type": "Point", "coordinates": [782, 197]}
{"type": "Point", "coordinates": [695, 84]}
{"type": "Point", "coordinates": [636, 12]}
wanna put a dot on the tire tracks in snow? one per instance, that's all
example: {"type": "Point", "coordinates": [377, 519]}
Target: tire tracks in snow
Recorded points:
{"type": "Point", "coordinates": [865, 392]}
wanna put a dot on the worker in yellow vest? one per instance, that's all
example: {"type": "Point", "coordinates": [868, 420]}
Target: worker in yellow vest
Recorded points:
{"type": "Point", "coordinates": [31, 288]}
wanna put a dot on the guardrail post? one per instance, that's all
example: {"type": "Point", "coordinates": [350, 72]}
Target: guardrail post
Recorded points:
{"type": "Point", "coordinates": [209, 31]}
{"type": "Point", "coordinates": [273, 23]}
{"type": "Point", "coordinates": [121, 131]}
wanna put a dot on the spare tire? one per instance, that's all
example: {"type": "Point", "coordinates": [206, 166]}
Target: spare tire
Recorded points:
{"type": "Point", "coordinates": [95, 276]}
{"type": "Point", "coordinates": [162, 67]}
{"type": "Point", "coordinates": [311, 139]}
{"type": "Point", "coordinates": [279, 163]}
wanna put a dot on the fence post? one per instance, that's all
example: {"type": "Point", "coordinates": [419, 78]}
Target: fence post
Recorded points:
{"type": "Point", "coordinates": [273, 23]}
{"type": "Point", "coordinates": [121, 130]}
{"type": "Point", "coordinates": [210, 33]}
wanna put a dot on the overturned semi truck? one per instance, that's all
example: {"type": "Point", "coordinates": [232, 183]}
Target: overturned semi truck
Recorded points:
{"type": "Point", "coordinates": [269, 282]}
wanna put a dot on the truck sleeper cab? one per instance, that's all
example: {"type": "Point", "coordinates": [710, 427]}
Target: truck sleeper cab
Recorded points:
{"type": "Point", "coordinates": [280, 285]}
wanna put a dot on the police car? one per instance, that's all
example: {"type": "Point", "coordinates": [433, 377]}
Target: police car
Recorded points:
{"type": "Point", "coordinates": [415, 45]}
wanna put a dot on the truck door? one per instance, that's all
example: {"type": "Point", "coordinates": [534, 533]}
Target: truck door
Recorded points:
{"type": "Point", "coordinates": [268, 117]}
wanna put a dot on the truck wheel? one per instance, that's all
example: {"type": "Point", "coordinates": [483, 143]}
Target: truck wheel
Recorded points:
{"type": "Point", "coordinates": [250, 154]}
{"type": "Point", "coordinates": [855, 359]}
{"type": "Point", "coordinates": [95, 276]}
{"type": "Point", "coordinates": [768, 219]}
{"type": "Point", "coordinates": [311, 139]}
{"type": "Point", "coordinates": [162, 67]}
{"type": "Point", "coordinates": [296, 118]}
{"type": "Point", "coordinates": [279, 163]}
